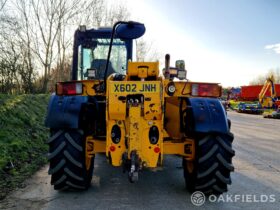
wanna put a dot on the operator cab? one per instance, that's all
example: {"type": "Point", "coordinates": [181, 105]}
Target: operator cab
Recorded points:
{"type": "Point", "coordinates": [92, 50]}
{"type": "Point", "coordinates": [92, 59]}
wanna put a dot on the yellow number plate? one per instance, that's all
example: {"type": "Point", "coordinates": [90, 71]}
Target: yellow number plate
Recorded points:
{"type": "Point", "coordinates": [139, 87]}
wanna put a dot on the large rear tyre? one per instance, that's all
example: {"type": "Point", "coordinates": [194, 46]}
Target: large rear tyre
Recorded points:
{"type": "Point", "coordinates": [69, 168]}
{"type": "Point", "coordinates": [210, 171]}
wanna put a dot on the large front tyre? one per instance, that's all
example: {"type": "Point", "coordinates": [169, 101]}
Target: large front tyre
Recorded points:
{"type": "Point", "coordinates": [210, 171]}
{"type": "Point", "coordinates": [69, 166]}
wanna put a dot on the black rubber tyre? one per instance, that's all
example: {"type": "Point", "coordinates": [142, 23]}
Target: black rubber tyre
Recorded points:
{"type": "Point", "coordinates": [211, 169]}
{"type": "Point", "coordinates": [67, 160]}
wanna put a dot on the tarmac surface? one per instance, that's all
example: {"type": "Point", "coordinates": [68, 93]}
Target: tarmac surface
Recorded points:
{"type": "Point", "coordinates": [255, 182]}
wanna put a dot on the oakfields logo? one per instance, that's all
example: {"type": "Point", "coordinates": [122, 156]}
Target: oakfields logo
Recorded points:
{"type": "Point", "coordinates": [198, 198]}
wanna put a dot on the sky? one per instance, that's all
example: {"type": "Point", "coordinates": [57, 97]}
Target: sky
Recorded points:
{"type": "Point", "coordinates": [226, 41]}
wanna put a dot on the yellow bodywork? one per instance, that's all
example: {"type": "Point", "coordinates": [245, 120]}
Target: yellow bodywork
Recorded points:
{"type": "Point", "coordinates": [135, 120]}
{"type": "Point", "coordinates": [156, 108]}
{"type": "Point", "coordinates": [143, 70]}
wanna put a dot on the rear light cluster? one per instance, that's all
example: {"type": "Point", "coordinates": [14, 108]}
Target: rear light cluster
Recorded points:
{"type": "Point", "coordinates": [69, 88]}
{"type": "Point", "coordinates": [206, 90]}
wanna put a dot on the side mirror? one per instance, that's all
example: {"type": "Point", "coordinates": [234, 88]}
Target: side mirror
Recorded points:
{"type": "Point", "coordinates": [130, 30]}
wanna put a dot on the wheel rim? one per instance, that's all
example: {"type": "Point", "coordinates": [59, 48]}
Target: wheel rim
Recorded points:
{"type": "Point", "coordinates": [190, 166]}
{"type": "Point", "coordinates": [88, 154]}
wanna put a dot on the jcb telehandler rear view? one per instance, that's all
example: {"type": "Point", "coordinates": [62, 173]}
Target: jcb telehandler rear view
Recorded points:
{"type": "Point", "coordinates": [135, 115]}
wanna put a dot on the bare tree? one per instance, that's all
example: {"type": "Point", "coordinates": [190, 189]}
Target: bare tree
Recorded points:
{"type": "Point", "coordinates": [2, 4]}
{"type": "Point", "coordinates": [259, 80]}
{"type": "Point", "coordinates": [145, 51]}
{"type": "Point", "coordinates": [44, 23]}
{"type": "Point", "coordinates": [15, 72]}
{"type": "Point", "coordinates": [97, 13]}
{"type": "Point", "coordinates": [37, 35]}
{"type": "Point", "coordinates": [93, 14]}
{"type": "Point", "coordinates": [116, 13]}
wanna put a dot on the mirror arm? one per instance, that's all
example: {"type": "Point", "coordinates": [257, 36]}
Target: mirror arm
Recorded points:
{"type": "Point", "coordinates": [110, 49]}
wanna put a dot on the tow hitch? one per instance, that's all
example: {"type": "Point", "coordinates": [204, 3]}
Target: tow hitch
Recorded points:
{"type": "Point", "coordinates": [132, 166]}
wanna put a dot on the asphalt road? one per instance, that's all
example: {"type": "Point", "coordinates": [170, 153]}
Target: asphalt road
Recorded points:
{"type": "Point", "coordinates": [255, 182]}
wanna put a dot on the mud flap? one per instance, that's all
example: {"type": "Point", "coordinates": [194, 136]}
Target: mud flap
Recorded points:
{"type": "Point", "coordinates": [208, 115]}
{"type": "Point", "coordinates": [64, 111]}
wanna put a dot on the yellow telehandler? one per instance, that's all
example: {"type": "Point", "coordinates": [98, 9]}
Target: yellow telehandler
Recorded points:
{"type": "Point", "coordinates": [135, 115]}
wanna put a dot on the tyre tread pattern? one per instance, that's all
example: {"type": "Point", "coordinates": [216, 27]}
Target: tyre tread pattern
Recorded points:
{"type": "Point", "coordinates": [67, 160]}
{"type": "Point", "coordinates": [213, 164]}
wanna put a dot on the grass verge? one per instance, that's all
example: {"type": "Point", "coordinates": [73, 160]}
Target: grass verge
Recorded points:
{"type": "Point", "coordinates": [22, 137]}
